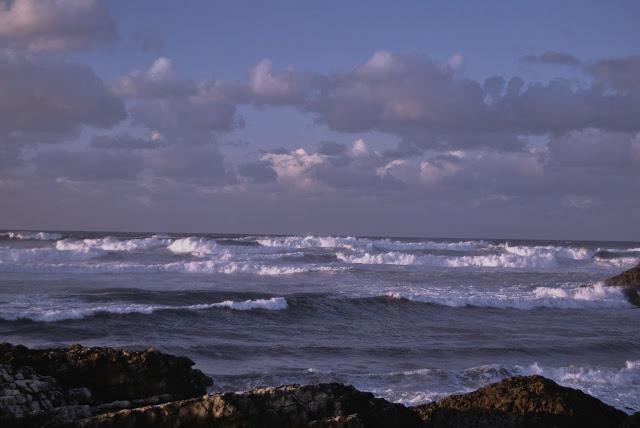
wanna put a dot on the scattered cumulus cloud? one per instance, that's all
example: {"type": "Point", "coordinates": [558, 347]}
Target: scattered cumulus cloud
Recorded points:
{"type": "Point", "coordinates": [55, 25]}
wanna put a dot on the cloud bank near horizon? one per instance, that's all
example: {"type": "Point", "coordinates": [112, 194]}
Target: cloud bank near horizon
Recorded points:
{"type": "Point", "coordinates": [452, 155]}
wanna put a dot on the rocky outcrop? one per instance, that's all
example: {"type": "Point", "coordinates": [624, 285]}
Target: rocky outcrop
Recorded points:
{"type": "Point", "coordinates": [323, 405]}
{"type": "Point", "coordinates": [104, 387]}
{"type": "Point", "coordinates": [629, 281]}
{"type": "Point", "coordinates": [29, 399]}
{"type": "Point", "coordinates": [112, 374]}
{"type": "Point", "coordinates": [524, 401]}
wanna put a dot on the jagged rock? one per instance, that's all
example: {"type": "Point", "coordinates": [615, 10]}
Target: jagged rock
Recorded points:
{"type": "Point", "coordinates": [323, 405]}
{"type": "Point", "coordinates": [112, 374]}
{"type": "Point", "coordinates": [29, 399]}
{"type": "Point", "coordinates": [523, 401]}
{"type": "Point", "coordinates": [629, 281]}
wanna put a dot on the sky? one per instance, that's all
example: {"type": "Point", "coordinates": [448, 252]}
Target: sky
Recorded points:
{"type": "Point", "coordinates": [493, 119]}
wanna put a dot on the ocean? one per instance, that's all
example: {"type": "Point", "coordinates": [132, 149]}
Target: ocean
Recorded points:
{"type": "Point", "coordinates": [411, 320]}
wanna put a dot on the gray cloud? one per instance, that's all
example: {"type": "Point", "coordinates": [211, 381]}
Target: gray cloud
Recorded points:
{"type": "Point", "coordinates": [125, 141]}
{"type": "Point", "coordinates": [89, 165]}
{"type": "Point", "coordinates": [621, 73]}
{"type": "Point", "coordinates": [45, 101]}
{"type": "Point", "coordinates": [55, 25]}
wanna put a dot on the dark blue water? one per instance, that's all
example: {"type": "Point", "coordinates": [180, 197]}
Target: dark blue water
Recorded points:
{"type": "Point", "coordinates": [408, 319]}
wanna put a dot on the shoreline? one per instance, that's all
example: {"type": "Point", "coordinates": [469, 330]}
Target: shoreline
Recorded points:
{"type": "Point", "coordinates": [103, 387]}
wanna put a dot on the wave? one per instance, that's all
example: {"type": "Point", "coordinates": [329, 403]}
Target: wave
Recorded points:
{"type": "Point", "coordinates": [545, 261]}
{"type": "Point", "coordinates": [111, 243]}
{"type": "Point", "coordinates": [32, 236]}
{"type": "Point", "coordinates": [33, 264]}
{"type": "Point", "coordinates": [575, 253]}
{"type": "Point", "coordinates": [31, 256]}
{"type": "Point", "coordinates": [60, 311]}
{"type": "Point", "coordinates": [193, 245]}
{"type": "Point", "coordinates": [580, 297]}
{"type": "Point", "coordinates": [352, 243]}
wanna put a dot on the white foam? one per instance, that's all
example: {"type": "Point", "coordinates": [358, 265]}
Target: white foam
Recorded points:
{"type": "Point", "coordinates": [35, 236]}
{"type": "Point", "coordinates": [111, 243]}
{"type": "Point", "coordinates": [352, 243]}
{"type": "Point", "coordinates": [51, 311]}
{"type": "Point", "coordinates": [273, 304]}
{"type": "Point", "coordinates": [544, 261]}
{"type": "Point", "coordinates": [309, 242]}
{"type": "Point", "coordinates": [196, 246]}
{"type": "Point", "coordinates": [575, 253]}
{"type": "Point", "coordinates": [30, 256]}
{"type": "Point", "coordinates": [391, 258]}
{"type": "Point", "coordinates": [569, 297]}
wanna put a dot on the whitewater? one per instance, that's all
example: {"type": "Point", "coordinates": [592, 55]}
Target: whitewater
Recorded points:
{"type": "Point", "coordinates": [411, 320]}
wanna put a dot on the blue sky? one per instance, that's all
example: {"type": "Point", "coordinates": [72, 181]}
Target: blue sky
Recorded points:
{"type": "Point", "coordinates": [439, 118]}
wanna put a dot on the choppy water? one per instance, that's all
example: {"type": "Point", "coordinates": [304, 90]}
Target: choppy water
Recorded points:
{"type": "Point", "coordinates": [408, 319]}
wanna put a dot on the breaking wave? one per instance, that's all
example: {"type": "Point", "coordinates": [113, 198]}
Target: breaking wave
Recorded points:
{"type": "Point", "coordinates": [27, 257]}
{"type": "Point", "coordinates": [52, 312]}
{"type": "Point", "coordinates": [545, 261]}
{"type": "Point", "coordinates": [111, 243]}
{"type": "Point", "coordinates": [32, 236]}
{"type": "Point", "coordinates": [352, 243]}
{"type": "Point", "coordinates": [574, 297]}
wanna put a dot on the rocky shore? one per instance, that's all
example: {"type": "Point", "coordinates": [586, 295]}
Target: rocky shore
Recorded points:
{"type": "Point", "coordinates": [106, 387]}
{"type": "Point", "coordinates": [629, 282]}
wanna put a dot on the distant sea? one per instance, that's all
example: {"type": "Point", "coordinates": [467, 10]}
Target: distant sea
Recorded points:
{"type": "Point", "coordinates": [410, 320]}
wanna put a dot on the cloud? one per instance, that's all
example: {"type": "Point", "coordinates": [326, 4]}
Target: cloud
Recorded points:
{"type": "Point", "coordinates": [258, 172]}
{"type": "Point", "coordinates": [160, 80]}
{"type": "Point", "coordinates": [621, 73]}
{"type": "Point", "coordinates": [433, 106]}
{"type": "Point", "coordinates": [181, 110]}
{"type": "Point", "coordinates": [552, 58]}
{"type": "Point", "coordinates": [48, 101]}
{"type": "Point", "coordinates": [55, 25]}
{"type": "Point", "coordinates": [126, 142]}
{"type": "Point", "coordinates": [88, 165]}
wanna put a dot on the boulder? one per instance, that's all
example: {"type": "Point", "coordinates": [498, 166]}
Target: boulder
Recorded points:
{"type": "Point", "coordinates": [629, 281]}
{"type": "Point", "coordinates": [523, 401]}
{"type": "Point", "coordinates": [112, 374]}
{"type": "Point", "coordinates": [322, 405]}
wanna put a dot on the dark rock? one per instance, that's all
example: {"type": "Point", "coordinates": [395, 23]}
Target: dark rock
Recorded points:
{"type": "Point", "coordinates": [29, 399]}
{"type": "Point", "coordinates": [632, 421]}
{"type": "Point", "coordinates": [112, 374]}
{"type": "Point", "coordinates": [323, 405]}
{"type": "Point", "coordinates": [629, 281]}
{"type": "Point", "coordinates": [527, 401]}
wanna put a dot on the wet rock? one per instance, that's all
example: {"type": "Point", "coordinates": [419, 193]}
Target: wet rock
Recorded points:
{"type": "Point", "coordinates": [629, 281]}
{"type": "Point", "coordinates": [323, 405]}
{"type": "Point", "coordinates": [523, 401]}
{"type": "Point", "coordinates": [112, 374]}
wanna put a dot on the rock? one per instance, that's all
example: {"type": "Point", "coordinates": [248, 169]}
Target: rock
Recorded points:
{"type": "Point", "coordinates": [112, 374]}
{"type": "Point", "coordinates": [28, 399]}
{"type": "Point", "coordinates": [629, 280]}
{"type": "Point", "coordinates": [323, 405]}
{"type": "Point", "coordinates": [523, 401]}
{"type": "Point", "coordinates": [632, 421]}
